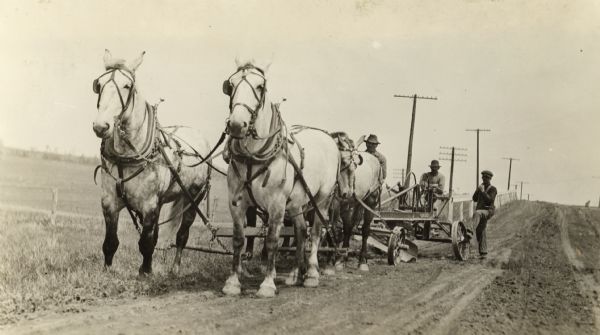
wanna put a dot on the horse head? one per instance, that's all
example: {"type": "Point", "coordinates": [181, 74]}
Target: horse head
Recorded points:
{"type": "Point", "coordinates": [350, 159]}
{"type": "Point", "coordinates": [116, 92]}
{"type": "Point", "coordinates": [247, 90]}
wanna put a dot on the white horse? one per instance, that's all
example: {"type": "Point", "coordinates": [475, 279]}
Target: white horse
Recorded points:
{"type": "Point", "coordinates": [141, 163]}
{"type": "Point", "coordinates": [262, 173]}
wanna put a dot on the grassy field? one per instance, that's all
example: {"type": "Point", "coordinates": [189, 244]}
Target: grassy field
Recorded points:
{"type": "Point", "coordinates": [47, 267]}
{"type": "Point", "coordinates": [61, 266]}
{"type": "Point", "coordinates": [29, 182]}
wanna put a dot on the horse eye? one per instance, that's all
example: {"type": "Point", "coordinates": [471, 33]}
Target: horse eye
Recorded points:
{"type": "Point", "coordinates": [127, 86]}
{"type": "Point", "coordinates": [260, 87]}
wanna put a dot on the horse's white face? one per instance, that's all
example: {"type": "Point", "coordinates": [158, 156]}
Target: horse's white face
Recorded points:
{"type": "Point", "coordinates": [247, 89]}
{"type": "Point", "coordinates": [350, 159]}
{"type": "Point", "coordinates": [115, 89]}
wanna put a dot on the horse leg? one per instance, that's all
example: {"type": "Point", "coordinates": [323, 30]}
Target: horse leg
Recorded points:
{"type": "Point", "coordinates": [312, 274]}
{"type": "Point", "coordinates": [346, 216]}
{"type": "Point", "coordinates": [366, 230]}
{"type": "Point", "coordinates": [297, 274]}
{"type": "Point", "coordinates": [148, 239]}
{"type": "Point", "coordinates": [183, 233]}
{"type": "Point", "coordinates": [267, 287]}
{"type": "Point", "coordinates": [111, 240]}
{"type": "Point", "coordinates": [238, 213]}
{"type": "Point", "coordinates": [251, 222]}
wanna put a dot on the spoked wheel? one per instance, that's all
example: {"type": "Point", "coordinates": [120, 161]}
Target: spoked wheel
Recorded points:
{"type": "Point", "coordinates": [460, 244]}
{"type": "Point", "coordinates": [401, 249]}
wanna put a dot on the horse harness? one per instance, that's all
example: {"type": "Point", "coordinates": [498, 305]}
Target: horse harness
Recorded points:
{"type": "Point", "coordinates": [275, 144]}
{"type": "Point", "coordinates": [152, 149]}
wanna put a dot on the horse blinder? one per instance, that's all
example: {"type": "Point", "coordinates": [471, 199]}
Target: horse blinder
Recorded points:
{"type": "Point", "coordinates": [227, 88]}
{"type": "Point", "coordinates": [360, 159]}
{"type": "Point", "coordinates": [96, 86]}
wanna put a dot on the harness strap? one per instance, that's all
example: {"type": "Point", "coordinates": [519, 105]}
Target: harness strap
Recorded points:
{"type": "Point", "coordinates": [185, 191]}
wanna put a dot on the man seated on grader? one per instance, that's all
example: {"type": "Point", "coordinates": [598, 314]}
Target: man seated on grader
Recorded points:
{"type": "Point", "coordinates": [432, 186]}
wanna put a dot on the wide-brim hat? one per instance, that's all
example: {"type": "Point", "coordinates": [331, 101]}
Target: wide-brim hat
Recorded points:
{"type": "Point", "coordinates": [372, 139]}
{"type": "Point", "coordinates": [434, 163]}
{"type": "Point", "coordinates": [487, 173]}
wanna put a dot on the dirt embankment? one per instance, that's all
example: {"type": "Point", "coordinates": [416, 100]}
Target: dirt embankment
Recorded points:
{"type": "Point", "coordinates": [541, 276]}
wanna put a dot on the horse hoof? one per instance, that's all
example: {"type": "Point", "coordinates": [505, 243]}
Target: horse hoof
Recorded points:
{"type": "Point", "coordinates": [339, 266]}
{"type": "Point", "coordinates": [266, 292]}
{"type": "Point", "coordinates": [293, 278]}
{"type": "Point", "coordinates": [144, 272]}
{"type": "Point", "coordinates": [311, 282]}
{"type": "Point", "coordinates": [329, 271]}
{"type": "Point", "coordinates": [364, 267]}
{"type": "Point", "coordinates": [232, 290]}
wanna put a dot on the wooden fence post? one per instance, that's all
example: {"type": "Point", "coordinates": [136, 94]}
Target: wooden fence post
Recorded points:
{"type": "Point", "coordinates": [54, 206]}
{"type": "Point", "coordinates": [471, 204]}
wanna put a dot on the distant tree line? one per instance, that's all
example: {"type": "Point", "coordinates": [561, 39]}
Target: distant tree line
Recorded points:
{"type": "Point", "coordinates": [47, 155]}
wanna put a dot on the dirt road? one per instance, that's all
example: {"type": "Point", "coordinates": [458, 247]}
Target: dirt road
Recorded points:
{"type": "Point", "coordinates": [541, 277]}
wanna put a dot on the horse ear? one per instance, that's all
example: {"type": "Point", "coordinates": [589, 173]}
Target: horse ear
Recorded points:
{"type": "Point", "coordinates": [136, 62]}
{"type": "Point", "coordinates": [237, 62]}
{"type": "Point", "coordinates": [266, 67]}
{"type": "Point", "coordinates": [107, 58]}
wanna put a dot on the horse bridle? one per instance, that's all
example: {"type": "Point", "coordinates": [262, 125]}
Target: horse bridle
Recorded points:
{"type": "Point", "coordinates": [353, 153]}
{"type": "Point", "coordinates": [130, 96]}
{"type": "Point", "coordinates": [230, 90]}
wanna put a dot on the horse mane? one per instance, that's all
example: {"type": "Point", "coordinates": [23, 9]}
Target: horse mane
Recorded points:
{"type": "Point", "coordinates": [116, 63]}
{"type": "Point", "coordinates": [342, 138]}
{"type": "Point", "coordinates": [250, 65]}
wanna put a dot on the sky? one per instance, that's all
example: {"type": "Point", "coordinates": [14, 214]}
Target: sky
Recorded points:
{"type": "Point", "coordinates": [526, 70]}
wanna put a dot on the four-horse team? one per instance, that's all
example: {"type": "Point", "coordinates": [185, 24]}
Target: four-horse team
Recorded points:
{"type": "Point", "coordinates": [296, 174]}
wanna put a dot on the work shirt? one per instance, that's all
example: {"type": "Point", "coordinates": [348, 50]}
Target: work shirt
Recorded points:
{"type": "Point", "coordinates": [485, 200]}
{"type": "Point", "coordinates": [428, 179]}
{"type": "Point", "coordinates": [382, 161]}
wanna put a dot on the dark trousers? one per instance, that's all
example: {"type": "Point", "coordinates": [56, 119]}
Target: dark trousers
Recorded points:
{"type": "Point", "coordinates": [479, 223]}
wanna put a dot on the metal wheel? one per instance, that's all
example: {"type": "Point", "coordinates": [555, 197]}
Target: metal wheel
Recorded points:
{"type": "Point", "coordinates": [460, 245]}
{"type": "Point", "coordinates": [400, 249]}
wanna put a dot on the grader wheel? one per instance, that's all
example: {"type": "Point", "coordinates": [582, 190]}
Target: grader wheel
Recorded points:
{"type": "Point", "coordinates": [460, 245]}
{"type": "Point", "coordinates": [401, 249]}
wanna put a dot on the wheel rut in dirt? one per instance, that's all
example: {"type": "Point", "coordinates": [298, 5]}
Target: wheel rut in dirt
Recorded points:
{"type": "Point", "coordinates": [538, 292]}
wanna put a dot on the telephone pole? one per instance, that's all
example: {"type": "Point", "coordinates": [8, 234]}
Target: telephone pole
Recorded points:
{"type": "Point", "coordinates": [412, 128]}
{"type": "Point", "coordinates": [509, 169]}
{"type": "Point", "coordinates": [522, 182]}
{"type": "Point", "coordinates": [477, 171]}
{"type": "Point", "coordinates": [452, 159]}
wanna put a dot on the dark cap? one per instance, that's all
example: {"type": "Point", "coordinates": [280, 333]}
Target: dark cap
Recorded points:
{"type": "Point", "coordinates": [434, 163]}
{"type": "Point", "coordinates": [487, 173]}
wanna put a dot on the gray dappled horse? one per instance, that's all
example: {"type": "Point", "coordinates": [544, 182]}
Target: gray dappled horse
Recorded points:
{"type": "Point", "coordinates": [264, 173]}
{"type": "Point", "coordinates": [136, 154]}
{"type": "Point", "coordinates": [367, 188]}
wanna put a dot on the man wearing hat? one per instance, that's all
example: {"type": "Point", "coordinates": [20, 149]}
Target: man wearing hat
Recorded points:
{"type": "Point", "coordinates": [484, 196]}
{"type": "Point", "coordinates": [372, 144]}
{"type": "Point", "coordinates": [433, 180]}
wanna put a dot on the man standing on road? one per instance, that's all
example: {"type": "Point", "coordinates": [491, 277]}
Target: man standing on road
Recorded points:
{"type": "Point", "coordinates": [484, 196]}
{"type": "Point", "coordinates": [372, 144]}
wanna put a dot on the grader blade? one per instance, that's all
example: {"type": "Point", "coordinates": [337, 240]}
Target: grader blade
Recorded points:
{"type": "Point", "coordinates": [410, 254]}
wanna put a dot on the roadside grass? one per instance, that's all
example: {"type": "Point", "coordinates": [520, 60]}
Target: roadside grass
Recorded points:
{"type": "Point", "coordinates": [48, 267]}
